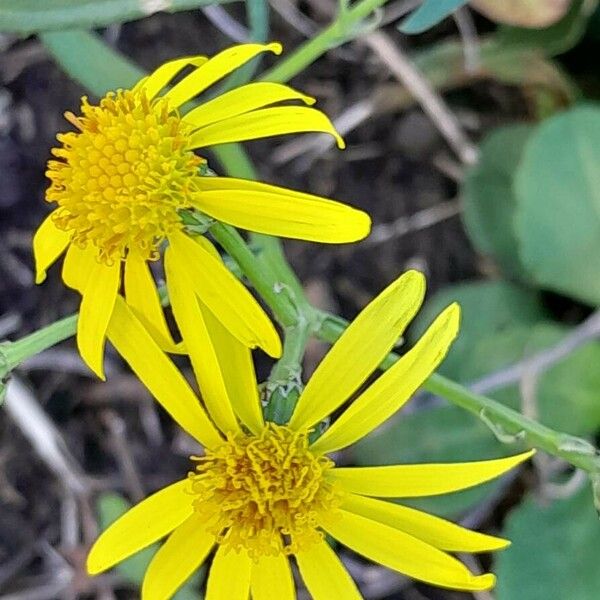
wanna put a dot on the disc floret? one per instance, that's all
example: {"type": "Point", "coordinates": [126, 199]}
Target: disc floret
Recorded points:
{"type": "Point", "coordinates": [120, 180]}
{"type": "Point", "coordinates": [265, 494]}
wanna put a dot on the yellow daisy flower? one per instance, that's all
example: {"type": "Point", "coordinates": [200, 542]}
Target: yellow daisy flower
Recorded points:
{"type": "Point", "coordinates": [265, 494]}
{"type": "Point", "coordinates": [121, 180]}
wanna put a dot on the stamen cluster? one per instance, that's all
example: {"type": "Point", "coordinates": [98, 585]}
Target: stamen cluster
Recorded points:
{"type": "Point", "coordinates": [264, 493]}
{"type": "Point", "coordinates": [121, 178]}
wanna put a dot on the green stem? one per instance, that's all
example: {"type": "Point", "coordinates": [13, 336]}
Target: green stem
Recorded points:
{"type": "Point", "coordinates": [273, 291]}
{"type": "Point", "coordinates": [285, 380]}
{"type": "Point", "coordinates": [507, 424]}
{"type": "Point", "coordinates": [340, 30]}
{"type": "Point", "coordinates": [14, 353]}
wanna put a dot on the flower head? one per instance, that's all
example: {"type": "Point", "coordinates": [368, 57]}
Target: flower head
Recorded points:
{"type": "Point", "coordinates": [124, 177]}
{"type": "Point", "coordinates": [264, 494]}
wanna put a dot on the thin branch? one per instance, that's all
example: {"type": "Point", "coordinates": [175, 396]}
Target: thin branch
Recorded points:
{"type": "Point", "coordinates": [541, 361]}
{"type": "Point", "coordinates": [432, 103]}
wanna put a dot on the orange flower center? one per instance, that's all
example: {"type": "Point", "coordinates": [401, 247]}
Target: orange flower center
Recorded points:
{"type": "Point", "coordinates": [120, 180]}
{"type": "Point", "coordinates": [266, 493]}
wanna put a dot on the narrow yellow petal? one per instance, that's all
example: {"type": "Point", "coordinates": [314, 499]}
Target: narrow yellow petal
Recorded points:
{"type": "Point", "coordinates": [236, 364]}
{"type": "Point", "coordinates": [413, 481]}
{"type": "Point", "coordinates": [146, 522]}
{"type": "Point", "coordinates": [77, 266]}
{"type": "Point", "coordinates": [94, 313]}
{"type": "Point", "coordinates": [271, 578]}
{"type": "Point", "coordinates": [229, 577]}
{"type": "Point", "coordinates": [224, 295]}
{"type": "Point", "coordinates": [200, 347]}
{"type": "Point", "coordinates": [49, 243]}
{"type": "Point", "coordinates": [159, 78]}
{"type": "Point", "coordinates": [177, 559]}
{"type": "Point", "coordinates": [265, 122]}
{"type": "Point", "coordinates": [430, 529]}
{"type": "Point", "coordinates": [214, 69]}
{"type": "Point", "coordinates": [159, 374]}
{"type": "Point", "coordinates": [401, 552]}
{"type": "Point", "coordinates": [359, 350]}
{"type": "Point", "coordinates": [277, 211]}
{"type": "Point", "coordinates": [242, 100]}
{"type": "Point", "coordinates": [142, 296]}
{"type": "Point", "coordinates": [389, 393]}
{"type": "Point", "coordinates": [324, 574]}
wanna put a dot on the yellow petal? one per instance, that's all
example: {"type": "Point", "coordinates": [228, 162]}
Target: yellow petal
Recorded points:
{"type": "Point", "coordinates": [49, 243]}
{"type": "Point", "coordinates": [276, 211]}
{"type": "Point", "coordinates": [242, 100]}
{"type": "Point", "coordinates": [142, 525]}
{"type": "Point", "coordinates": [236, 364]}
{"type": "Point", "coordinates": [389, 393]}
{"type": "Point", "coordinates": [77, 266]}
{"type": "Point", "coordinates": [159, 78]}
{"type": "Point", "coordinates": [200, 348]}
{"type": "Point", "coordinates": [401, 552]}
{"type": "Point", "coordinates": [142, 296]}
{"type": "Point", "coordinates": [430, 529]}
{"type": "Point", "coordinates": [324, 574]}
{"type": "Point", "coordinates": [265, 122]}
{"type": "Point", "coordinates": [94, 313]}
{"type": "Point", "coordinates": [359, 350]}
{"type": "Point", "coordinates": [224, 295]}
{"type": "Point", "coordinates": [412, 481]}
{"type": "Point", "coordinates": [177, 559]}
{"type": "Point", "coordinates": [159, 374]}
{"type": "Point", "coordinates": [214, 69]}
{"type": "Point", "coordinates": [229, 577]}
{"type": "Point", "coordinates": [271, 578]}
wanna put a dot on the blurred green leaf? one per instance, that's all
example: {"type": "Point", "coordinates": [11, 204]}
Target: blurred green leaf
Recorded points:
{"type": "Point", "coordinates": [489, 197]}
{"type": "Point", "coordinates": [430, 13]}
{"type": "Point", "coordinates": [30, 16]}
{"type": "Point", "coordinates": [90, 62]}
{"type": "Point", "coordinates": [110, 507]}
{"type": "Point", "coordinates": [558, 204]}
{"type": "Point", "coordinates": [487, 307]}
{"type": "Point", "coordinates": [566, 394]}
{"type": "Point", "coordinates": [554, 551]}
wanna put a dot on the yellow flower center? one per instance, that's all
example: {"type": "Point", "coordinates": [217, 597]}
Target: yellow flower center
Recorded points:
{"type": "Point", "coordinates": [265, 494]}
{"type": "Point", "coordinates": [121, 178]}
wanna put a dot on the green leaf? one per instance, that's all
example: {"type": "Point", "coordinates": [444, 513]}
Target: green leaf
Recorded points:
{"type": "Point", "coordinates": [430, 13]}
{"type": "Point", "coordinates": [487, 308]}
{"type": "Point", "coordinates": [112, 506]}
{"type": "Point", "coordinates": [489, 197]}
{"type": "Point", "coordinates": [558, 211]}
{"type": "Point", "coordinates": [30, 16]}
{"type": "Point", "coordinates": [554, 551]}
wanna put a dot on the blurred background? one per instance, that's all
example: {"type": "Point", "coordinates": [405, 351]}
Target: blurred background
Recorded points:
{"type": "Point", "coordinates": [475, 147]}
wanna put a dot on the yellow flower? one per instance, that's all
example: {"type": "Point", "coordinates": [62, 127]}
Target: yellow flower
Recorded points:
{"type": "Point", "coordinates": [264, 494]}
{"type": "Point", "coordinates": [121, 179]}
